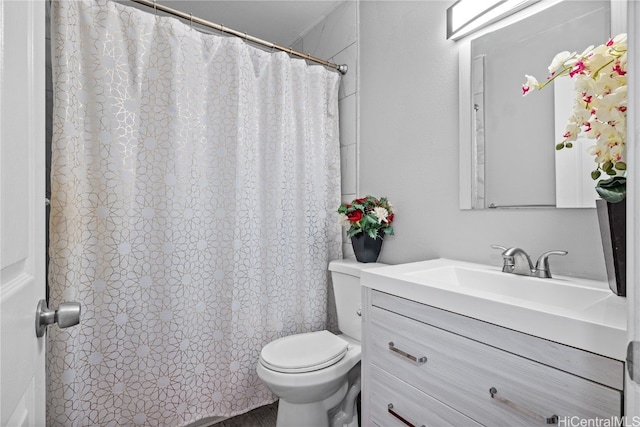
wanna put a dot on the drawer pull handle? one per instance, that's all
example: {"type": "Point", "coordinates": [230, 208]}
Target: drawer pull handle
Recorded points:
{"type": "Point", "coordinates": [400, 417]}
{"type": "Point", "coordinates": [417, 360]}
{"type": "Point", "coordinates": [547, 420]}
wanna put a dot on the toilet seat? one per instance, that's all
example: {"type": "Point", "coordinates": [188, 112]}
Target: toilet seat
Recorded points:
{"type": "Point", "coordinates": [306, 352]}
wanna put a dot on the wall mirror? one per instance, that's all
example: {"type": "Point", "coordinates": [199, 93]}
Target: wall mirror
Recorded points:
{"type": "Point", "coordinates": [507, 141]}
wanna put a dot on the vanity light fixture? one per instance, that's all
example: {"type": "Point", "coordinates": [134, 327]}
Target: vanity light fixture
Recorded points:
{"type": "Point", "coordinates": [467, 16]}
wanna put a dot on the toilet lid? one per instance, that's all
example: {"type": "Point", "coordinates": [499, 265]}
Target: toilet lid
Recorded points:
{"type": "Point", "coordinates": [303, 352]}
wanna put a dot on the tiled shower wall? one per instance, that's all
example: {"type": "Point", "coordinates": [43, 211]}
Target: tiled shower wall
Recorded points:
{"type": "Point", "coordinates": [336, 38]}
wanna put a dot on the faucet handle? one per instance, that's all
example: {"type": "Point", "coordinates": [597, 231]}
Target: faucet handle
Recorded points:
{"type": "Point", "coordinates": [508, 262]}
{"type": "Point", "coordinates": [542, 265]}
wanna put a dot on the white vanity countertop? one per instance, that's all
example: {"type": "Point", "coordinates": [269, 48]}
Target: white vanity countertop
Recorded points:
{"type": "Point", "coordinates": [578, 312]}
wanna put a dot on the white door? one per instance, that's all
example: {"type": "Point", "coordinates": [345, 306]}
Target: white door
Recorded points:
{"type": "Point", "coordinates": [22, 211]}
{"type": "Point", "coordinates": [632, 396]}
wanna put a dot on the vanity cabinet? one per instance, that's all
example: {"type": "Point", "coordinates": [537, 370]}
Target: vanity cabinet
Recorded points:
{"type": "Point", "coordinates": [427, 366]}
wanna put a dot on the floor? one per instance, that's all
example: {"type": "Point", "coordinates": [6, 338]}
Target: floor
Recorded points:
{"type": "Point", "coordinates": [265, 416]}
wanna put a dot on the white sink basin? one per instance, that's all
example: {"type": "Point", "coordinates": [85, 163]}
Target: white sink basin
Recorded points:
{"type": "Point", "coordinates": [578, 312]}
{"type": "Point", "coordinates": [551, 292]}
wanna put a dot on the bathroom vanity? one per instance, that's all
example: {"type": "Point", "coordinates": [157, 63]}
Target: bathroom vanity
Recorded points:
{"type": "Point", "coordinates": [453, 343]}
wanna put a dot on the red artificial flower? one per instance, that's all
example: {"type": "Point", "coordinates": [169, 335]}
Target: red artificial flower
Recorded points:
{"type": "Point", "coordinates": [354, 216]}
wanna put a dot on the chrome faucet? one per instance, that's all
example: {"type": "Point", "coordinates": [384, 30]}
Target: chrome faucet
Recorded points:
{"type": "Point", "coordinates": [517, 261]}
{"type": "Point", "coordinates": [542, 266]}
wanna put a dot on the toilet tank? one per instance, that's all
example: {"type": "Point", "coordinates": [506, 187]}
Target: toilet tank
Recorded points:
{"type": "Point", "coordinates": [345, 275]}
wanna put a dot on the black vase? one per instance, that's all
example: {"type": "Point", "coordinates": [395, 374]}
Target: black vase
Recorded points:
{"type": "Point", "coordinates": [366, 248]}
{"type": "Point", "coordinates": [612, 218]}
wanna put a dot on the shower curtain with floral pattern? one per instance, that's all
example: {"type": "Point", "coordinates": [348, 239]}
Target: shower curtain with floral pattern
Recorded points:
{"type": "Point", "coordinates": [194, 184]}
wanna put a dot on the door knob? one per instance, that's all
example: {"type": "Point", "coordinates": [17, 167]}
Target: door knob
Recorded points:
{"type": "Point", "coordinates": [67, 314]}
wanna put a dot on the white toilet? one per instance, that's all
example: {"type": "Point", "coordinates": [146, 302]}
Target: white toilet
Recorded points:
{"type": "Point", "coordinates": [316, 375]}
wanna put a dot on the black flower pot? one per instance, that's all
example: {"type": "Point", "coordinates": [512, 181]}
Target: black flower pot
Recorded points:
{"type": "Point", "coordinates": [365, 248]}
{"type": "Point", "coordinates": [612, 218]}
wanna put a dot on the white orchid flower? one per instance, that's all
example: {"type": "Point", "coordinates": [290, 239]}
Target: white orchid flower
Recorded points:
{"type": "Point", "coordinates": [619, 42]}
{"type": "Point", "coordinates": [559, 60]}
{"type": "Point", "coordinates": [616, 153]}
{"type": "Point", "coordinates": [585, 86]}
{"type": "Point", "coordinates": [600, 100]}
{"type": "Point", "coordinates": [532, 82]}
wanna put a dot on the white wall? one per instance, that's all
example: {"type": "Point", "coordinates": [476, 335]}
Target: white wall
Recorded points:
{"type": "Point", "coordinates": [408, 97]}
{"type": "Point", "coordinates": [336, 38]}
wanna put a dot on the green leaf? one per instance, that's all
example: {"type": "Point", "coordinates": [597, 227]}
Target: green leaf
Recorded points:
{"type": "Point", "coordinates": [368, 220]}
{"type": "Point", "coordinates": [613, 190]}
{"type": "Point", "coordinates": [560, 146]}
{"type": "Point", "coordinates": [352, 232]}
{"type": "Point", "coordinates": [595, 174]}
{"type": "Point", "coordinates": [611, 196]}
{"type": "Point", "coordinates": [615, 182]}
{"type": "Point", "coordinates": [607, 166]}
{"type": "Point", "coordinates": [569, 145]}
{"type": "Point", "coordinates": [621, 166]}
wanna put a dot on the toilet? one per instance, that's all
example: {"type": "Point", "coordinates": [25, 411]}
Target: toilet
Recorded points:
{"type": "Point", "coordinates": [316, 375]}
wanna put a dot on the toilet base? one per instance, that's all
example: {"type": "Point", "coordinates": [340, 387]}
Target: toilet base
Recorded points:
{"type": "Point", "coordinates": [315, 414]}
{"type": "Point", "coordinates": [338, 410]}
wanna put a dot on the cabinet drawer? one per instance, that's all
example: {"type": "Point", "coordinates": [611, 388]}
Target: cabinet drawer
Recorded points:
{"type": "Point", "coordinates": [408, 403]}
{"type": "Point", "coordinates": [594, 367]}
{"type": "Point", "coordinates": [460, 372]}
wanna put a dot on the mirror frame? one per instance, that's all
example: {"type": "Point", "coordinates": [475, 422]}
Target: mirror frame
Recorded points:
{"type": "Point", "coordinates": [465, 116]}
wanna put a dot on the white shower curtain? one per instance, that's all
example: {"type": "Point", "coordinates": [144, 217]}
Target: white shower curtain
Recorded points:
{"type": "Point", "coordinates": [194, 184]}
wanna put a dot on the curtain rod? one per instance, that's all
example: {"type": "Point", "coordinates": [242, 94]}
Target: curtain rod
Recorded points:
{"type": "Point", "coordinates": [341, 68]}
